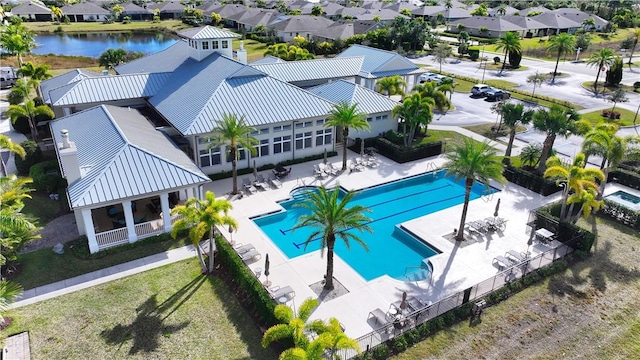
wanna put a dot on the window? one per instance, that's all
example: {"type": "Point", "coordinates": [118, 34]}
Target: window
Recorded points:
{"type": "Point", "coordinates": [205, 45]}
{"type": "Point", "coordinates": [260, 132]}
{"type": "Point", "coordinates": [210, 157]}
{"type": "Point", "coordinates": [282, 144]}
{"type": "Point", "coordinates": [304, 140]}
{"type": "Point", "coordinates": [304, 124]}
{"type": "Point", "coordinates": [369, 119]}
{"type": "Point", "coordinates": [195, 44]}
{"type": "Point", "coordinates": [321, 122]}
{"type": "Point", "coordinates": [204, 140]}
{"type": "Point", "coordinates": [214, 45]}
{"type": "Point", "coordinates": [281, 128]}
{"type": "Point", "coordinates": [225, 44]}
{"type": "Point", "coordinates": [262, 149]}
{"type": "Point", "coordinates": [381, 117]}
{"type": "Point", "coordinates": [242, 154]}
{"type": "Point", "coordinates": [323, 137]}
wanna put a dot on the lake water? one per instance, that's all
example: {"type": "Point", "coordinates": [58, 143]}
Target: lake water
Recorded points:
{"type": "Point", "coordinates": [94, 44]}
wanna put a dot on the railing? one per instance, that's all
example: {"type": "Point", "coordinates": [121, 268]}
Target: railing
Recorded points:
{"type": "Point", "coordinates": [431, 166]}
{"type": "Point", "coordinates": [111, 238]}
{"type": "Point", "coordinates": [149, 228]}
{"type": "Point", "coordinates": [420, 316]}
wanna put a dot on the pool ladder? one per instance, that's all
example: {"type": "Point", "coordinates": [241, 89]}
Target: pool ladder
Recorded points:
{"type": "Point", "coordinates": [421, 267]}
{"type": "Point", "coordinates": [487, 195]}
{"type": "Point", "coordinates": [431, 166]}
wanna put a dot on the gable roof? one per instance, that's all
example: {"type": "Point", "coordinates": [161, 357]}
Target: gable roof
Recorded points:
{"type": "Point", "coordinates": [208, 32]}
{"type": "Point", "coordinates": [332, 68]}
{"type": "Point", "coordinates": [84, 8]}
{"type": "Point", "coordinates": [525, 22]}
{"type": "Point", "coordinates": [167, 6]}
{"type": "Point", "coordinates": [127, 158]}
{"type": "Point", "coordinates": [379, 62]}
{"type": "Point", "coordinates": [165, 60]}
{"type": "Point", "coordinates": [499, 24]}
{"type": "Point", "coordinates": [302, 23]}
{"type": "Point", "coordinates": [579, 16]}
{"type": "Point", "coordinates": [384, 14]}
{"type": "Point", "coordinates": [556, 21]}
{"type": "Point", "coordinates": [30, 7]}
{"type": "Point", "coordinates": [63, 79]}
{"type": "Point", "coordinates": [369, 101]}
{"type": "Point", "coordinates": [344, 30]}
{"type": "Point", "coordinates": [269, 59]}
{"type": "Point", "coordinates": [230, 9]}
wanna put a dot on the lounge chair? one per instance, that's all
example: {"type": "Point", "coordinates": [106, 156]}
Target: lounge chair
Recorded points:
{"type": "Point", "coordinates": [502, 262]}
{"type": "Point", "coordinates": [241, 249]}
{"type": "Point", "coordinates": [479, 226]}
{"type": "Point", "coordinates": [355, 166]}
{"type": "Point", "coordinates": [318, 172]}
{"type": "Point", "coordinates": [379, 315]}
{"type": "Point", "coordinates": [248, 186]}
{"type": "Point", "coordinates": [250, 256]}
{"type": "Point", "coordinates": [515, 256]}
{"type": "Point", "coordinates": [274, 181]}
{"type": "Point", "coordinates": [261, 182]}
{"type": "Point", "coordinates": [277, 292]}
{"type": "Point", "coordinates": [496, 223]}
{"type": "Point", "coordinates": [333, 170]}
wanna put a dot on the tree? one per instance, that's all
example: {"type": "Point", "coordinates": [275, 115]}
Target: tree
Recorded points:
{"type": "Point", "coordinates": [333, 217]}
{"type": "Point", "coordinates": [215, 18]}
{"type": "Point", "coordinates": [344, 116]}
{"type": "Point", "coordinates": [553, 122]}
{"type": "Point", "coordinates": [512, 116]}
{"type": "Point", "coordinates": [530, 154]}
{"type": "Point", "coordinates": [510, 43]}
{"type": "Point", "coordinates": [636, 36]}
{"type": "Point", "coordinates": [17, 40]}
{"type": "Point", "coordinates": [234, 133]}
{"type": "Point", "coordinates": [431, 90]}
{"type": "Point", "coordinates": [441, 53]}
{"type": "Point", "coordinates": [7, 144]}
{"type": "Point", "coordinates": [472, 161]}
{"type": "Point", "coordinates": [317, 10]}
{"type": "Point", "coordinates": [112, 58]}
{"type": "Point", "coordinates": [415, 110]}
{"type": "Point", "coordinates": [392, 85]}
{"type": "Point", "coordinates": [589, 24]}
{"type": "Point", "coordinates": [618, 96]}
{"type": "Point", "coordinates": [480, 10]}
{"type": "Point", "coordinates": [30, 111]}
{"type": "Point", "coordinates": [36, 74]}
{"type": "Point", "coordinates": [9, 292]}
{"type": "Point", "coordinates": [560, 44]}
{"type": "Point", "coordinates": [117, 10]}
{"type": "Point", "coordinates": [601, 59]}
{"type": "Point", "coordinates": [447, 85]}
{"type": "Point", "coordinates": [536, 79]}
{"type": "Point", "coordinates": [57, 13]}
{"type": "Point", "coordinates": [583, 41]}
{"type": "Point", "coordinates": [613, 76]}
{"type": "Point", "coordinates": [288, 52]}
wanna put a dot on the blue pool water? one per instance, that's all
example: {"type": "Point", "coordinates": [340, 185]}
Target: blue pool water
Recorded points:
{"type": "Point", "coordinates": [392, 251]}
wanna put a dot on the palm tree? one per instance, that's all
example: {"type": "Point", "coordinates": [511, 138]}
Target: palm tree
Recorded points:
{"type": "Point", "coordinates": [344, 116]}
{"type": "Point", "coordinates": [588, 23]}
{"type": "Point", "coordinates": [36, 74]}
{"type": "Point", "coordinates": [441, 53]}
{"type": "Point", "coordinates": [17, 40]}
{"type": "Point", "coordinates": [601, 59]}
{"type": "Point", "coordinates": [201, 217]}
{"type": "Point", "coordinates": [576, 178]}
{"type": "Point", "coordinates": [57, 13]}
{"type": "Point", "coordinates": [414, 111]}
{"type": "Point", "coordinates": [530, 154]}
{"type": "Point", "coordinates": [618, 96]}
{"type": "Point", "coordinates": [472, 161]}
{"type": "Point", "coordinates": [7, 144]}
{"type": "Point", "coordinates": [9, 292]}
{"type": "Point", "coordinates": [234, 133]}
{"type": "Point", "coordinates": [598, 140]}
{"type": "Point", "coordinates": [553, 122]}
{"type": "Point", "coordinates": [447, 85]}
{"type": "Point", "coordinates": [636, 36]}
{"type": "Point", "coordinates": [560, 44]}
{"type": "Point", "coordinates": [512, 116]}
{"type": "Point", "coordinates": [392, 85]}
{"type": "Point", "coordinates": [536, 79]}
{"type": "Point", "coordinates": [333, 217]}
{"type": "Point", "coordinates": [30, 111]}
{"type": "Point", "coordinates": [431, 90]}
{"type": "Point", "coordinates": [291, 326]}
{"type": "Point", "coordinates": [510, 43]}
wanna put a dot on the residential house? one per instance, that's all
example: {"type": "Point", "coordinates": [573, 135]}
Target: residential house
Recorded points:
{"type": "Point", "coordinates": [345, 29]}
{"type": "Point", "coordinates": [432, 13]}
{"type": "Point", "coordinates": [32, 11]}
{"type": "Point", "coordinates": [85, 11]}
{"type": "Point", "coordinates": [530, 27]}
{"type": "Point", "coordinates": [485, 26]}
{"type": "Point", "coordinates": [303, 25]}
{"type": "Point", "coordinates": [331, 9]}
{"type": "Point", "coordinates": [502, 11]}
{"type": "Point", "coordinates": [580, 16]}
{"type": "Point", "coordinates": [557, 23]}
{"type": "Point", "coordinates": [135, 12]}
{"type": "Point", "coordinates": [252, 17]}
{"type": "Point", "coordinates": [348, 13]}
{"type": "Point", "coordinates": [384, 16]}
{"type": "Point", "coordinates": [168, 9]}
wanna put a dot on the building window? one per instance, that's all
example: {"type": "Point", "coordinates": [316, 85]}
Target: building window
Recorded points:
{"type": "Point", "coordinates": [321, 122]}
{"type": "Point", "coordinates": [282, 144]}
{"type": "Point", "coordinates": [205, 45]}
{"type": "Point", "coordinates": [195, 44]}
{"type": "Point", "coordinates": [260, 132]}
{"type": "Point", "coordinates": [304, 140]}
{"type": "Point", "coordinates": [323, 137]}
{"type": "Point", "coordinates": [281, 128]}
{"type": "Point", "coordinates": [263, 148]}
{"type": "Point", "coordinates": [225, 44]}
{"type": "Point", "coordinates": [304, 124]}
{"type": "Point", "coordinates": [204, 140]}
{"type": "Point", "coordinates": [214, 45]}
{"type": "Point", "coordinates": [210, 157]}
{"type": "Point", "coordinates": [369, 119]}
{"type": "Point", "coordinates": [242, 154]}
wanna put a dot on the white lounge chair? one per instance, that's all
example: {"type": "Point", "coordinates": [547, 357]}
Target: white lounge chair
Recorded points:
{"type": "Point", "coordinates": [515, 256]}
{"type": "Point", "coordinates": [286, 292]}
{"type": "Point", "coordinates": [502, 262]}
{"type": "Point", "coordinates": [274, 181]}
{"type": "Point", "coordinates": [333, 170]}
{"type": "Point", "coordinates": [379, 315]}
{"type": "Point", "coordinates": [241, 249]}
{"type": "Point", "coordinates": [261, 182]}
{"type": "Point", "coordinates": [248, 186]}
{"type": "Point", "coordinates": [355, 166]}
{"type": "Point", "coordinates": [250, 256]}
{"type": "Point", "coordinates": [318, 172]}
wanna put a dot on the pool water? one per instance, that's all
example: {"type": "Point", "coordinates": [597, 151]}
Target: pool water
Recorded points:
{"type": "Point", "coordinates": [392, 251]}
{"type": "Point", "coordinates": [624, 198]}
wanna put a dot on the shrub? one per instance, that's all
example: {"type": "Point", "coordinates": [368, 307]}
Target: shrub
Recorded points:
{"type": "Point", "coordinates": [32, 157]}
{"type": "Point", "coordinates": [449, 318]}
{"type": "Point", "coordinates": [399, 344]}
{"type": "Point", "coordinates": [621, 214]}
{"type": "Point", "coordinates": [381, 352]}
{"type": "Point", "coordinates": [400, 154]}
{"type": "Point", "coordinates": [610, 114]}
{"type": "Point", "coordinates": [636, 85]}
{"type": "Point", "coordinates": [15, 97]}
{"type": "Point", "coordinates": [413, 336]}
{"type": "Point", "coordinates": [625, 177]}
{"type": "Point", "coordinates": [496, 59]}
{"type": "Point", "coordinates": [46, 177]}
{"type": "Point", "coordinates": [530, 180]}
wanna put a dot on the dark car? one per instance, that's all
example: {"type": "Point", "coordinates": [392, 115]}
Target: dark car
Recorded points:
{"type": "Point", "coordinates": [496, 95]}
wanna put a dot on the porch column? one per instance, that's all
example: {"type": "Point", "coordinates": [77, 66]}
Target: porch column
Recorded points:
{"type": "Point", "coordinates": [90, 231]}
{"type": "Point", "coordinates": [128, 218]}
{"type": "Point", "coordinates": [194, 192]}
{"type": "Point", "coordinates": [166, 211]}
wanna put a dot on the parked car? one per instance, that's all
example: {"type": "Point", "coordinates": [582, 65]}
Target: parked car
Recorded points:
{"type": "Point", "coordinates": [496, 95]}
{"type": "Point", "coordinates": [479, 89]}
{"type": "Point", "coordinates": [428, 77]}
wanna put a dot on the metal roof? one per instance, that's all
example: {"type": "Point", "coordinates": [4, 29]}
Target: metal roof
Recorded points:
{"type": "Point", "coordinates": [199, 93]}
{"type": "Point", "coordinates": [63, 79]}
{"type": "Point", "coordinates": [30, 7]}
{"type": "Point", "coordinates": [208, 32]}
{"type": "Point", "coordinates": [127, 158]}
{"type": "Point", "coordinates": [499, 24]}
{"type": "Point", "coordinates": [369, 101]}
{"type": "Point", "coordinates": [332, 68]}
{"type": "Point", "coordinates": [269, 59]}
{"type": "Point", "coordinates": [379, 61]}
{"type": "Point", "coordinates": [108, 88]}
{"type": "Point", "coordinates": [165, 60]}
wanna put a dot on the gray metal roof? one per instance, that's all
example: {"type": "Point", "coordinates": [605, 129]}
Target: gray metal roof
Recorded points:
{"type": "Point", "coordinates": [579, 16]}
{"type": "Point", "coordinates": [199, 93]}
{"type": "Point", "coordinates": [525, 22]}
{"type": "Point", "coordinates": [84, 8]}
{"type": "Point", "coordinates": [108, 88]}
{"type": "Point", "coordinates": [166, 60]}
{"type": "Point", "coordinates": [63, 79]}
{"type": "Point", "coordinates": [499, 24]}
{"type": "Point", "coordinates": [556, 21]}
{"type": "Point", "coordinates": [208, 32]}
{"type": "Point", "coordinates": [131, 8]}
{"type": "Point", "coordinates": [269, 59]}
{"type": "Point", "coordinates": [369, 101]}
{"type": "Point", "coordinates": [332, 68]}
{"type": "Point", "coordinates": [383, 14]}
{"type": "Point", "coordinates": [30, 8]}
{"type": "Point", "coordinates": [378, 61]}
{"type": "Point", "coordinates": [127, 158]}
{"type": "Point", "coordinates": [302, 23]}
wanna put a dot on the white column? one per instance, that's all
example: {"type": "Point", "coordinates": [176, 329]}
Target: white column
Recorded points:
{"type": "Point", "coordinates": [166, 211]}
{"type": "Point", "coordinates": [128, 219]}
{"type": "Point", "coordinates": [194, 192]}
{"type": "Point", "coordinates": [90, 231]}
{"type": "Point", "coordinates": [66, 111]}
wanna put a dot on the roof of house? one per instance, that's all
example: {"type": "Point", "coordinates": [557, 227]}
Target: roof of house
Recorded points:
{"type": "Point", "coordinates": [379, 62]}
{"type": "Point", "coordinates": [63, 79]}
{"type": "Point", "coordinates": [30, 8]}
{"type": "Point", "coordinates": [199, 93]}
{"type": "Point", "coordinates": [127, 158]}
{"type": "Point", "coordinates": [351, 11]}
{"type": "Point", "coordinates": [452, 13]}
{"type": "Point", "coordinates": [131, 8]}
{"type": "Point", "coordinates": [525, 22]}
{"type": "Point", "coordinates": [509, 10]}
{"type": "Point", "coordinates": [84, 8]}
{"type": "Point", "coordinates": [368, 101]}
{"type": "Point", "coordinates": [208, 32]}
{"type": "Point", "coordinates": [398, 7]}
{"type": "Point", "coordinates": [384, 14]}
{"type": "Point", "coordinates": [167, 6]}
{"type": "Point", "coordinates": [264, 18]}
{"type": "Point", "coordinates": [579, 16]}
{"type": "Point", "coordinates": [499, 24]}
{"type": "Point", "coordinates": [172, 57]}
{"type": "Point", "coordinates": [108, 88]}
{"type": "Point", "coordinates": [344, 30]}
{"type": "Point", "coordinates": [269, 59]}
{"type": "Point", "coordinates": [302, 23]}
{"type": "Point", "coordinates": [332, 68]}
{"type": "Point", "coordinates": [230, 9]}
{"type": "Point", "coordinates": [331, 8]}
{"type": "Point", "coordinates": [541, 9]}
{"type": "Point", "coordinates": [556, 21]}
{"type": "Point", "coordinates": [250, 13]}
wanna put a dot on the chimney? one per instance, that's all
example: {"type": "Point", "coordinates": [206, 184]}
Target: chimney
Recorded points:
{"type": "Point", "coordinates": [242, 53]}
{"type": "Point", "coordinates": [69, 158]}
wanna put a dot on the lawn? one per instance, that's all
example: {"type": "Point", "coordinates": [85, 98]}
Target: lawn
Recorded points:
{"type": "Point", "coordinates": [42, 207]}
{"type": "Point", "coordinates": [626, 117]}
{"type": "Point", "coordinates": [588, 312]}
{"type": "Point", "coordinates": [171, 312]}
{"type": "Point", "coordinates": [487, 131]}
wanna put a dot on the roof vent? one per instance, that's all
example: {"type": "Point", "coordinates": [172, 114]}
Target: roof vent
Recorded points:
{"type": "Point", "coordinates": [65, 138]}
{"type": "Point", "coordinates": [105, 72]}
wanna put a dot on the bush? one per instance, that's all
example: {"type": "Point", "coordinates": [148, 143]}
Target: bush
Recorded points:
{"type": "Point", "coordinates": [401, 154]}
{"type": "Point", "coordinates": [399, 344]}
{"type": "Point", "coordinates": [530, 180]}
{"type": "Point", "coordinates": [381, 352]}
{"type": "Point", "coordinates": [636, 85]}
{"type": "Point", "coordinates": [412, 336]}
{"type": "Point", "coordinates": [610, 114]}
{"type": "Point", "coordinates": [15, 97]}
{"type": "Point", "coordinates": [625, 177]}
{"type": "Point", "coordinates": [496, 59]}
{"type": "Point", "coordinates": [621, 214]}
{"type": "Point", "coordinates": [46, 177]}
{"type": "Point", "coordinates": [32, 157]}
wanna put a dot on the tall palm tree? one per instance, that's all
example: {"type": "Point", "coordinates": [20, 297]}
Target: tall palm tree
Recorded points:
{"type": "Point", "coordinates": [512, 116]}
{"type": "Point", "coordinates": [636, 36]}
{"type": "Point", "coordinates": [58, 14]}
{"type": "Point", "coordinates": [344, 116]}
{"type": "Point", "coordinates": [201, 217]}
{"type": "Point", "coordinates": [9, 292]}
{"type": "Point", "coordinates": [560, 44]}
{"type": "Point", "coordinates": [472, 161]}
{"type": "Point", "coordinates": [30, 111]}
{"type": "Point", "coordinates": [234, 133]}
{"type": "Point", "coordinates": [553, 122]}
{"type": "Point", "coordinates": [414, 111]}
{"type": "Point", "coordinates": [598, 140]}
{"type": "Point", "coordinates": [431, 90]}
{"type": "Point", "coordinates": [17, 40]}
{"type": "Point", "coordinates": [576, 178]}
{"type": "Point", "coordinates": [391, 85]}
{"type": "Point", "coordinates": [332, 217]}
{"type": "Point", "coordinates": [7, 144]}
{"type": "Point", "coordinates": [536, 79]}
{"type": "Point", "coordinates": [601, 59]}
{"type": "Point", "coordinates": [36, 74]}
{"type": "Point", "coordinates": [447, 85]}
{"type": "Point", "coordinates": [510, 43]}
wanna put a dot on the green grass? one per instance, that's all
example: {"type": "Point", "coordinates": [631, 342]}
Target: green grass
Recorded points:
{"type": "Point", "coordinates": [448, 137]}
{"type": "Point", "coordinates": [42, 207]}
{"type": "Point", "coordinates": [626, 117]}
{"type": "Point", "coordinates": [75, 27]}
{"type": "Point", "coordinates": [171, 312]}
{"type": "Point", "coordinates": [607, 89]}
{"type": "Point", "coordinates": [486, 131]}
{"type": "Point", "coordinates": [255, 49]}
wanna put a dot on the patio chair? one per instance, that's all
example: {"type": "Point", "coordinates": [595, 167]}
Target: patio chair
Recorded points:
{"type": "Point", "coordinates": [248, 186]}
{"type": "Point", "coordinates": [333, 170]}
{"type": "Point", "coordinates": [250, 256]}
{"type": "Point", "coordinates": [496, 223]}
{"type": "Point", "coordinates": [502, 262]}
{"type": "Point", "coordinates": [479, 226]}
{"type": "Point", "coordinates": [274, 181]}
{"type": "Point", "coordinates": [379, 315]}
{"type": "Point", "coordinates": [241, 249]}
{"type": "Point", "coordinates": [318, 172]}
{"type": "Point", "coordinates": [515, 256]}
{"type": "Point", "coordinates": [261, 182]}
{"type": "Point", "coordinates": [276, 292]}
{"type": "Point", "coordinates": [355, 166]}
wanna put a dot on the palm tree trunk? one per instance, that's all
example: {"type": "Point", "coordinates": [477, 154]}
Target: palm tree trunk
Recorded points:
{"type": "Point", "coordinates": [32, 127]}
{"type": "Point", "coordinates": [633, 48]}
{"type": "Point", "coordinates": [467, 194]}
{"type": "Point", "coordinates": [512, 136]}
{"type": "Point", "coordinates": [565, 196]}
{"type": "Point", "coordinates": [328, 281]}
{"type": "Point", "coordinates": [234, 171]}
{"type": "Point", "coordinates": [211, 249]}
{"type": "Point", "coordinates": [546, 149]}
{"type": "Point", "coordinates": [200, 257]}
{"type": "Point", "coordinates": [555, 71]}
{"type": "Point", "coordinates": [504, 62]}
{"type": "Point", "coordinates": [595, 84]}
{"type": "Point", "coordinates": [345, 135]}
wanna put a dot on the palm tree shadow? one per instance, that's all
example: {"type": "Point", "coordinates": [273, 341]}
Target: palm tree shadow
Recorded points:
{"type": "Point", "coordinates": [148, 326]}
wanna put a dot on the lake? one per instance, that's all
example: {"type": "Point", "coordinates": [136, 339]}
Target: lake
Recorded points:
{"type": "Point", "coordinates": [94, 44]}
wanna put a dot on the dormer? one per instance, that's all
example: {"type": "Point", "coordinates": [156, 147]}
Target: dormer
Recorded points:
{"type": "Point", "coordinates": [206, 40]}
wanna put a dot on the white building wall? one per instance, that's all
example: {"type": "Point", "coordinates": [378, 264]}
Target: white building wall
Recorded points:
{"type": "Point", "coordinates": [379, 123]}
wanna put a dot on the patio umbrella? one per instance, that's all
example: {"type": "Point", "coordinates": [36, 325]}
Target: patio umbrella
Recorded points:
{"type": "Point", "coordinates": [267, 283]}
{"type": "Point", "coordinates": [495, 213]}
{"type": "Point", "coordinates": [362, 147]}
{"type": "Point", "coordinates": [403, 303]}
{"type": "Point", "coordinates": [325, 157]}
{"type": "Point", "coordinates": [255, 171]}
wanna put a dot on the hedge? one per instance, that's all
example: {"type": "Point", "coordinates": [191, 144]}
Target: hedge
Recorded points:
{"type": "Point", "coordinates": [249, 170]}
{"type": "Point", "coordinates": [46, 177]}
{"type": "Point", "coordinates": [33, 156]}
{"type": "Point", "coordinates": [401, 154]}
{"type": "Point", "coordinates": [621, 214]}
{"type": "Point", "coordinates": [530, 180]}
{"type": "Point", "coordinates": [547, 217]}
{"type": "Point", "coordinates": [625, 177]}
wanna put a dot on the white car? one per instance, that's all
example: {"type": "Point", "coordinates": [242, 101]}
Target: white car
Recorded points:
{"type": "Point", "coordinates": [427, 77]}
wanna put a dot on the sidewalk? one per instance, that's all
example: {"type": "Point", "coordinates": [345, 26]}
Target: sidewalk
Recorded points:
{"type": "Point", "coordinates": [102, 276]}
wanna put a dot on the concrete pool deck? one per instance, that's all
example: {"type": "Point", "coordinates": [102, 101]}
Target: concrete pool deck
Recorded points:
{"type": "Point", "coordinates": [454, 269]}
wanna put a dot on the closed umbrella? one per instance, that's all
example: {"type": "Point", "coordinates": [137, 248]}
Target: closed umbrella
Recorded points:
{"type": "Point", "coordinates": [403, 303]}
{"type": "Point", "coordinates": [267, 283]}
{"type": "Point", "coordinates": [325, 157]}
{"type": "Point", "coordinates": [255, 171]}
{"type": "Point", "coordinates": [495, 213]}
{"type": "Point", "coordinates": [362, 147]}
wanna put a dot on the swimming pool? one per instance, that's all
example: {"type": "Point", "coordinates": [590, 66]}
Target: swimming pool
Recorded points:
{"type": "Point", "coordinates": [625, 199]}
{"type": "Point", "coordinates": [392, 251]}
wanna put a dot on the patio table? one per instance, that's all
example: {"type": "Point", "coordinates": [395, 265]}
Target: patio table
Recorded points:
{"type": "Point", "coordinates": [544, 235]}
